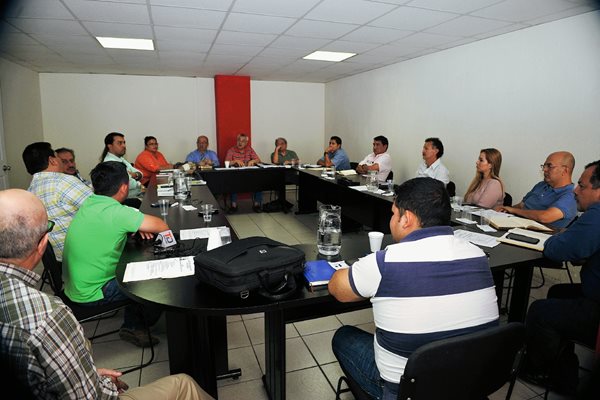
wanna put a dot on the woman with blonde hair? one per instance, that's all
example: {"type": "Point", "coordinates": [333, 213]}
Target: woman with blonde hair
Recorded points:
{"type": "Point", "coordinates": [486, 189]}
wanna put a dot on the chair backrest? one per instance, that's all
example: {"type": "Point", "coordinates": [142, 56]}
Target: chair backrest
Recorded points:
{"type": "Point", "coordinates": [507, 199]}
{"type": "Point", "coordinates": [390, 176]}
{"type": "Point", "coordinates": [470, 366]}
{"type": "Point", "coordinates": [451, 189]}
{"type": "Point", "coordinates": [54, 268]}
{"type": "Point", "coordinates": [353, 165]}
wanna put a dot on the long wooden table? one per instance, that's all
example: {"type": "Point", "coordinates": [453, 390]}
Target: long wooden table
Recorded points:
{"type": "Point", "coordinates": [196, 324]}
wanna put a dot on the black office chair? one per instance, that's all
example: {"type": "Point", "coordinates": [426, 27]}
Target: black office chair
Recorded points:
{"type": "Point", "coordinates": [85, 313]}
{"type": "Point", "coordinates": [353, 165]}
{"type": "Point", "coordinates": [451, 189]}
{"type": "Point", "coordinates": [465, 367]}
{"type": "Point", "coordinates": [390, 176]}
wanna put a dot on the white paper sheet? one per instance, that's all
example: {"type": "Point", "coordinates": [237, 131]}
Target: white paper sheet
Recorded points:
{"type": "Point", "coordinates": [202, 233]}
{"type": "Point", "coordinates": [159, 269]}
{"type": "Point", "coordinates": [480, 239]}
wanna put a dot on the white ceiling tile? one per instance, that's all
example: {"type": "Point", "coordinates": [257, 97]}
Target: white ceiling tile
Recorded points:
{"type": "Point", "coordinates": [349, 47]}
{"type": "Point", "coordinates": [414, 19]}
{"type": "Point", "coordinates": [348, 11]}
{"type": "Point", "coordinates": [84, 59]}
{"type": "Point", "coordinates": [522, 11]}
{"type": "Point", "coordinates": [501, 31]}
{"type": "Point", "coordinates": [181, 57]}
{"type": "Point", "coordinates": [37, 9]}
{"type": "Point", "coordinates": [564, 14]}
{"type": "Point", "coordinates": [389, 51]}
{"type": "Point", "coordinates": [119, 30]}
{"type": "Point", "coordinates": [179, 45]}
{"type": "Point", "coordinates": [294, 8]}
{"type": "Point", "coordinates": [423, 39]}
{"type": "Point", "coordinates": [242, 38]}
{"type": "Point", "coordinates": [222, 5]}
{"type": "Point", "coordinates": [43, 26]}
{"type": "Point", "coordinates": [264, 62]}
{"type": "Point", "coordinates": [320, 29]}
{"type": "Point", "coordinates": [7, 28]}
{"type": "Point", "coordinates": [17, 39]}
{"type": "Point", "coordinates": [72, 40]}
{"type": "Point", "coordinates": [371, 34]}
{"type": "Point", "coordinates": [300, 43]}
{"type": "Point", "coordinates": [457, 6]}
{"type": "Point", "coordinates": [398, 2]}
{"type": "Point", "coordinates": [467, 26]}
{"type": "Point", "coordinates": [223, 59]}
{"type": "Point", "coordinates": [305, 66]}
{"type": "Point", "coordinates": [257, 23]}
{"type": "Point", "coordinates": [227, 49]}
{"type": "Point", "coordinates": [281, 52]}
{"type": "Point", "coordinates": [187, 17]}
{"type": "Point", "coordinates": [457, 43]}
{"type": "Point", "coordinates": [254, 70]}
{"type": "Point", "coordinates": [109, 12]}
{"type": "Point", "coordinates": [185, 34]}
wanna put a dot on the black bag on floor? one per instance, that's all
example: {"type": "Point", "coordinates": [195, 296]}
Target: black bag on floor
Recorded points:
{"type": "Point", "coordinates": [252, 264]}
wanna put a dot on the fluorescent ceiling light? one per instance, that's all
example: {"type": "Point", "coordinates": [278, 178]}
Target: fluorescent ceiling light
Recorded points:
{"type": "Point", "coordinates": [334, 56]}
{"type": "Point", "coordinates": [126, 43]}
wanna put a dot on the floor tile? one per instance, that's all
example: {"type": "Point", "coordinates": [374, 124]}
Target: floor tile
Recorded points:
{"type": "Point", "coordinates": [297, 355]}
{"type": "Point", "coordinates": [308, 384]}
{"type": "Point", "coordinates": [253, 389]}
{"type": "Point", "coordinates": [232, 318]}
{"type": "Point", "coordinates": [237, 335]}
{"type": "Point", "coordinates": [116, 354]}
{"type": "Point", "coordinates": [358, 317]}
{"type": "Point", "coordinates": [256, 330]}
{"type": "Point", "coordinates": [252, 316]}
{"type": "Point", "coordinates": [368, 327]}
{"type": "Point", "coordinates": [333, 372]}
{"type": "Point", "coordinates": [317, 325]}
{"type": "Point", "coordinates": [319, 345]}
{"type": "Point", "coordinates": [153, 372]}
{"type": "Point", "coordinates": [520, 392]}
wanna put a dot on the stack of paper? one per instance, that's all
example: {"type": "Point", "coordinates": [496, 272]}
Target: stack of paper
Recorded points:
{"type": "Point", "coordinates": [511, 221]}
{"type": "Point", "coordinates": [347, 172]}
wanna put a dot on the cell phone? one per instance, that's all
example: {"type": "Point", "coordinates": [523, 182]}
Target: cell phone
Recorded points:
{"type": "Point", "coordinates": [155, 205]}
{"type": "Point", "coordinates": [522, 238]}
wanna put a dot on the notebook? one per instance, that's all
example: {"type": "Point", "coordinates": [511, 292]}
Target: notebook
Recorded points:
{"type": "Point", "coordinates": [319, 272]}
{"type": "Point", "coordinates": [510, 221]}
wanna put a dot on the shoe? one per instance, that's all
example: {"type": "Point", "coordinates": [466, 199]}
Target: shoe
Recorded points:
{"type": "Point", "coordinates": [138, 337]}
{"type": "Point", "coordinates": [232, 210]}
{"type": "Point", "coordinates": [540, 380]}
{"type": "Point", "coordinates": [257, 208]}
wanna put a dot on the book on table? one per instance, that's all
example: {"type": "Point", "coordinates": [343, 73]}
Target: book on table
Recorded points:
{"type": "Point", "coordinates": [319, 272]}
{"type": "Point", "coordinates": [511, 221]}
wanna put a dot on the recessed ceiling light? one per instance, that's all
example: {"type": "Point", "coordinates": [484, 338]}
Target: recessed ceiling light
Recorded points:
{"type": "Point", "coordinates": [126, 43]}
{"type": "Point", "coordinates": [334, 56]}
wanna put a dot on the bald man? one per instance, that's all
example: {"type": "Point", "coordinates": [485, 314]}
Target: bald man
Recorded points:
{"type": "Point", "coordinates": [202, 156]}
{"type": "Point", "coordinates": [551, 201]}
{"type": "Point", "coordinates": [33, 323]}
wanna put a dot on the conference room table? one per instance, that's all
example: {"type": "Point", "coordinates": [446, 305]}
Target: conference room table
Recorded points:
{"type": "Point", "coordinates": [196, 312]}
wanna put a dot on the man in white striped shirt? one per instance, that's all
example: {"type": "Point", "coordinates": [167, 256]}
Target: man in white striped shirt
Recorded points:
{"type": "Point", "coordinates": [428, 286]}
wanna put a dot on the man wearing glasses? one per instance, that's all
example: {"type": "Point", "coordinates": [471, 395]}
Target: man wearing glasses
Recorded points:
{"type": "Point", "coordinates": [551, 201]}
{"type": "Point", "coordinates": [61, 194]}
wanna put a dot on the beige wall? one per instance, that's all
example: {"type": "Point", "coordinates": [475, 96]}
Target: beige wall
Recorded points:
{"type": "Point", "coordinates": [527, 93]}
{"type": "Point", "coordinates": [22, 116]}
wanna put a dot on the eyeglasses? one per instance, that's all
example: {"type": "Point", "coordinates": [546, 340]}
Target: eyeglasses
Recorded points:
{"type": "Point", "coordinates": [550, 166]}
{"type": "Point", "coordinates": [49, 228]}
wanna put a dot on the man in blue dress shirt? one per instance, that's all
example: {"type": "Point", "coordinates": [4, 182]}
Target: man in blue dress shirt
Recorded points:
{"type": "Point", "coordinates": [334, 155]}
{"type": "Point", "coordinates": [572, 311]}
{"type": "Point", "coordinates": [551, 201]}
{"type": "Point", "coordinates": [202, 156]}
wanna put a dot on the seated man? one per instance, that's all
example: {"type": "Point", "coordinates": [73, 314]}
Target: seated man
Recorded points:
{"type": "Point", "coordinates": [551, 201]}
{"type": "Point", "coordinates": [432, 166]}
{"type": "Point", "coordinates": [42, 344]}
{"type": "Point", "coordinates": [282, 155]}
{"type": "Point", "coordinates": [203, 156]}
{"type": "Point", "coordinates": [70, 167]}
{"type": "Point", "coordinates": [379, 160]}
{"type": "Point", "coordinates": [571, 311]}
{"type": "Point", "coordinates": [242, 155]}
{"type": "Point", "coordinates": [94, 244]}
{"type": "Point", "coordinates": [428, 286]}
{"type": "Point", "coordinates": [114, 150]}
{"type": "Point", "coordinates": [61, 194]}
{"type": "Point", "coordinates": [335, 155]}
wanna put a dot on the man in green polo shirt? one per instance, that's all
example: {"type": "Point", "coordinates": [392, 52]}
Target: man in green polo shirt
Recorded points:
{"type": "Point", "coordinates": [95, 241]}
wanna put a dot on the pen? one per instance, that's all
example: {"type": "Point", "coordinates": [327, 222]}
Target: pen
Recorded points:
{"type": "Point", "coordinates": [174, 204]}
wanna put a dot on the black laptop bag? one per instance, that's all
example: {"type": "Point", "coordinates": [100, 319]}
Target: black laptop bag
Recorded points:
{"type": "Point", "coordinates": [254, 264]}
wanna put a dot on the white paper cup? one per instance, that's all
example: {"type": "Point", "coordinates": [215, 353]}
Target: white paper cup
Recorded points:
{"type": "Point", "coordinates": [226, 164]}
{"type": "Point", "coordinates": [375, 239]}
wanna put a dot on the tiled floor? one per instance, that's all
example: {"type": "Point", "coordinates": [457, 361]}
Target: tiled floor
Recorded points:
{"type": "Point", "coordinates": [312, 371]}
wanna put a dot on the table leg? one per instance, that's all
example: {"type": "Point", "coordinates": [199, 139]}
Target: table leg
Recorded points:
{"type": "Point", "coordinates": [274, 378]}
{"type": "Point", "coordinates": [519, 301]}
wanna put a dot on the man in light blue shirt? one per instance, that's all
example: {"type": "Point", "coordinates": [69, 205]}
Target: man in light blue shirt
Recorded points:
{"type": "Point", "coordinates": [114, 150]}
{"type": "Point", "coordinates": [334, 155]}
{"type": "Point", "coordinates": [202, 156]}
{"type": "Point", "coordinates": [551, 201]}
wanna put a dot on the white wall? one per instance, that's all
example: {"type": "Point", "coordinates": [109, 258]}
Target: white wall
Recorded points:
{"type": "Point", "coordinates": [80, 109]}
{"type": "Point", "coordinates": [22, 117]}
{"type": "Point", "coordinates": [527, 93]}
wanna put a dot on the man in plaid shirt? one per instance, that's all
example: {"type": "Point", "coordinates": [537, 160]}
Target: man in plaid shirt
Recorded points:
{"type": "Point", "coordinates": [242, 155]}
{"type": "Point", "coordinates": [41, 342]}
{"type": "Point", "coordinates": [61, 194]}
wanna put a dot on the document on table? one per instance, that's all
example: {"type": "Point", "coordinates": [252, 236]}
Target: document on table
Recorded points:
{"type": "Point", "coordinates": [479, 239]}
{"type": "Point", "coordinates": [202, 233]}
{"type": "Point", "coordinates": [159, 269]}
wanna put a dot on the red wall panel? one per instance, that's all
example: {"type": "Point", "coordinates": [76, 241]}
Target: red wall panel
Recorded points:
{"type": "Point", "coordinates": [232, 107]}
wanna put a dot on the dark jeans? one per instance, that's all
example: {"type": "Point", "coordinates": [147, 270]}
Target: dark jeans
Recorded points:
{"type": "Point", "coordinates": [354, 350]}
{"type": "Point", "coordinates": [134, 316]}
{"type": "Point", "coordinates": [552, 326]}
